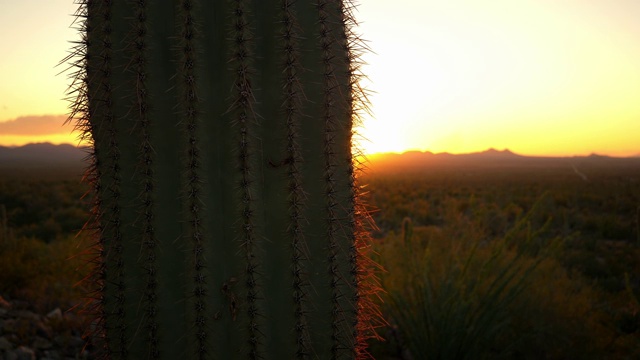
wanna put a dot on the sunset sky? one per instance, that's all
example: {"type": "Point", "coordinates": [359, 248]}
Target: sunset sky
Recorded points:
{"type": "Point", "coordinates": [539, 77]}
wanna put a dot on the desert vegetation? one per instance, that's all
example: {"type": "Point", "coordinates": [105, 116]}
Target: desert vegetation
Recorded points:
{"type": "Point", "coordinates": [508, 262]}
{"type": "Point", "coordinates": [42, 260]}
{"type": "Point", "coordinates": [500, 263]}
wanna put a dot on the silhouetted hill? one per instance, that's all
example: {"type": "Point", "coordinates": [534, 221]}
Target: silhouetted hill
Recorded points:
{"type": "Point", "coordinates": [42, 159]}
{"type": "Point", "coordinates": [34, 160]}
{"type": "Point", "coordinates": [494, 154]}
{"type": "Point", "coordinates": [41, 153]}
{"type": "Point", "coordinates": [419, 160]}
{"type": "Point", "coordinates": [489, 159]}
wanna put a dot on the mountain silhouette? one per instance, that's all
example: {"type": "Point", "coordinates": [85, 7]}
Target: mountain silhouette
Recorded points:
{"type": "Point", "coordinates": [49, 157]}
{"type": "Point", "coordinates": [488, 159]}
{"type": "Point", "coordinates": [506, 153]}
{"type": "Point", "coordinates": [41, 154]}
{"type": "Point", "coordinates": [42, 161]}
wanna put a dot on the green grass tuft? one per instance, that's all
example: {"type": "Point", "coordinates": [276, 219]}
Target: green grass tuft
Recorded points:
{"type": "Point", "coordinates": [454, 292]}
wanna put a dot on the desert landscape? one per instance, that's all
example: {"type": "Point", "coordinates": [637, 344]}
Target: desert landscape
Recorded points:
{"type": "Point", "coordinates": [498, 254]}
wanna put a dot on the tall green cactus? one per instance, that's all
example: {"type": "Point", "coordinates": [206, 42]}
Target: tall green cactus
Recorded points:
{"type": "Point", "coordinates": [228, 219]}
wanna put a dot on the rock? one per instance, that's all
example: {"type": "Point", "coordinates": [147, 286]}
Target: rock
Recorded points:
{"type": "Point", "coordinates": [4, 303]}
{"type": "Point", "coordinates": [76, 342]}
{"type": "Point", "coordinates": [55, 314]}
{"type": "Point", "coordinates": [26, 334]}
{"type": "Point", "coordinates": [25, 314]}
{"type": "Point", "coordinates": [26, 327]}
{"type": "Point", "coordinates": [22, 353]}
{"type": "Point", "coordinates": [43, 330]}
{"type": "Point", "coordinates": [69, 341]}
{"type": "Point", "coordinates": [9, 326]}
{"type": "Point", "coordinates": [5, 344]}
{"type": "Point", "coordinates": [52, 355]}
{"type": "Point", "coordinates": [41, 343]}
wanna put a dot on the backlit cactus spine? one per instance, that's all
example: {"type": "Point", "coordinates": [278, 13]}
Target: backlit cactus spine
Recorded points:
{"type": "Point", "coordinates": [228, 219]}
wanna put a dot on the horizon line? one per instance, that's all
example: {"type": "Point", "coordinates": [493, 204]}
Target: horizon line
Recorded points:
{"type": "Point", "coordinates": [505, 151]}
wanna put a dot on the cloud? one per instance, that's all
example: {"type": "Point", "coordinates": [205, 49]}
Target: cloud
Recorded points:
{"type": "Point", "coordinates": [35, 125]}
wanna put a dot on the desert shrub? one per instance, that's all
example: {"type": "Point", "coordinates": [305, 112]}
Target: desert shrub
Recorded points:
{"type": "Point", "coordinates": [453, 292]}
{"type": "Point", "coordinates": [42, 274]}
{"type": "Point", "coordinates": [45, 210]}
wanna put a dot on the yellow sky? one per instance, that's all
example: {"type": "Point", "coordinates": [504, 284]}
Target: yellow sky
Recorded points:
{"type": "Point", "coordinates": [539, 77]}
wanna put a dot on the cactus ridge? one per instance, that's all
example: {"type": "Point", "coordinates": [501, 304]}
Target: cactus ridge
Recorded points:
{"type": "Point", "coordinates": [293, 93]}
{"type": "Point", "coordinates": [229, 221]}
{"type": "Point", "coordinates": [140, 108]}
{"type": "Point", "coordinates": [366, 315]}
{"type": "Point", "coordinates": [109, 188]}
{"type": "Point", "coordinates": [357, 231]}
{"type": "Point", "coordinates": [243, 105]}
{"type": "Point", "coordinates": [191, 117]}
{"type": "Point", "coordinates": [334, 96]}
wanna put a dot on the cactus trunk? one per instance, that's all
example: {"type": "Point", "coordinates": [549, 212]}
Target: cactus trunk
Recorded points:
{"type": "Point", "coordinates": [228, 217]}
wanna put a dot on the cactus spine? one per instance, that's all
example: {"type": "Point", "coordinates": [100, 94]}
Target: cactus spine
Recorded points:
{"type": "Point", "coordinates": [227, 219]}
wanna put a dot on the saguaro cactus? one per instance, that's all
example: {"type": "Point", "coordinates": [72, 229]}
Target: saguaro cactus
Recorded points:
{"type": "Point", "coordinates": [228, 222]}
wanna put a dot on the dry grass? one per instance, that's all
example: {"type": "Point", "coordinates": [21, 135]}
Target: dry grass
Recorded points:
{"type": "Point", "coordinates": [453, 292]}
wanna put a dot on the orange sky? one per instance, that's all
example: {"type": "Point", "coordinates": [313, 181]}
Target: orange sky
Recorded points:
{"type": "Point", "coordinates": [539, 77]}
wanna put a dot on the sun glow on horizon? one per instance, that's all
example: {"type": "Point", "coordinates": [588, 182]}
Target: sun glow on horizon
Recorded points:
{"type": "Point", "coordinates": [12, 141]}
{"type": "Point", "coordinates": [537, 77]}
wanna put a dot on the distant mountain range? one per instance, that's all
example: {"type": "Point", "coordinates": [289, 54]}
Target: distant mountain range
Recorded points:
{"type": "Point", "coordinates": [42, 161]}
{"type": "Point", "coordinates": [491, 158]}
{"type": "Point", "coordinates": [41, 154]}
{"type": "Point", "coordinates": [49, 155]}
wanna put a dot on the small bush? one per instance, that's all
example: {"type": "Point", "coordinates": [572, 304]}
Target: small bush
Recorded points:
{"type": "Point", "coordinates": [42, 274]}
{"type": "Point", "coordinates": [456, 293]}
